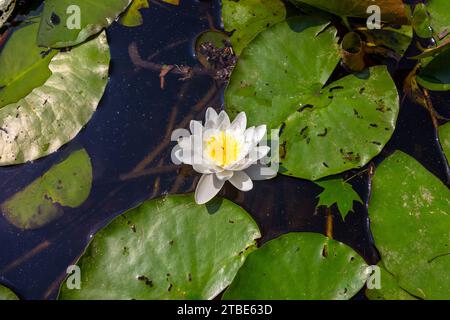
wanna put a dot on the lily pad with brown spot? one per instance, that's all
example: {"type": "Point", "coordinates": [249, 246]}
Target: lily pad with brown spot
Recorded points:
{"type": "Point", "coordinates": [281, 80]}
{"type": "Point", "coordinates": [169, 248]}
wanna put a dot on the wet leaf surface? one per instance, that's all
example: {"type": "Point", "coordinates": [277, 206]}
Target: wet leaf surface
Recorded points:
{"type": "Point", "coordinates": [410, 223]}
{"type": "Point", "coordinates": [169, 248]}
{"type": "Point", "coordinates": [300, 266]}
{"type": "Point", "coordinates": [281, 80]}
{"type": "Point", "coordinates": [67, 184]}
{"type": "Point", "coordinates": [59, 27]}
{"type": "Point", "coordinates": [53, 114]}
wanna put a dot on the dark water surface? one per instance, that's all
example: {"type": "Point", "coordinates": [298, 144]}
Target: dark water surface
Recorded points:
{"type": "Point", "coordinates": [131, 123]}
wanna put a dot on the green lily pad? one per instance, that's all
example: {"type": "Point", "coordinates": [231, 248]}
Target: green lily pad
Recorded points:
{"type": "Point", "coordinates": [133, 17]}
{"type": "Point", "coordinates": [336, 191]}
{"type": "Point", "coordinates": [432, 20]}
{"type": "Point", "coordinates": [444, 138]}
{"type": "Point", "coordinates": [6, 8]}
{"type": "Point", "coordinates": [247, 18]}
{"type": "Point", "coordinates": [409, 213]}
{"type": "Point", "coordinates": [391, 10]}
{"type": "Point", "coordinates": [397, 39]}
{"type": "Point", "coordinates": [53, 114]}
{"type": "Point", "coordinates": [7, 294]}
{"type": "Point", "coordinates": [67, 23]}
{"type": "Point", "coordinates": [67, 184]}
{"type": "Point", "coordinates": [24, 65]}
{"type": "Point", "coordinates": [299, 266]}
{"type": "Point", "coordinates": [280, 81]}
{"type": "Point", "coordinates": [436, 73]}
{"type": "Point", "coordinates": [389, 290]}
{"type": "Point", "coordinates": [169, 248]}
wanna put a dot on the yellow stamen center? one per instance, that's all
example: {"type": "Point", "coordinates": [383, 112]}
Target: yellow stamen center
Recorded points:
{"type": "Point", "coordinates": [223, 149]}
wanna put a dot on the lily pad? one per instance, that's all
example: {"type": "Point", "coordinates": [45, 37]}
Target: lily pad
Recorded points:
{"type": "Point", "coordinates": [299, 266]}
{"type": "Point", "coordinates": [391, 10]}
{"type": "Point", "coordinates": [336, 191]}
{"type": "Point", "coordinates": [432, 20]}
{"type": "Point", "coordinates": [24, 65]}
{"type": "Point", "coordinates": [6, 8]}
{"type": "Point", "coordinates": [169, 248]}
{"type": "Point", "coordinates": [247, 18]}
{"type": "Point", "coordinates": [281, 80]}
{"type": "Point", "coordinates": [53, 114]}
{"type": "Point", "coordinates": [436, 73]}
{"type": "Point", "coordinates": [444, 138]}
{"type": "Point", "coordinates": [67, 184]}
{"type": "Point", "coordinates": [409, 213]}
{"type": "Point", "coordinates": [7, 294]}
{"type": "Point", "coordinates": [389, 290]}
{"type": "Point", "coordinates": [133, 17]}
{"type": "Point", "coordinates": [67, 23]}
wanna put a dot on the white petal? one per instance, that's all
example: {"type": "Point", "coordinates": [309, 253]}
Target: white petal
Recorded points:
{"type": "Point", "coordinates": [177, 155]}
{"type": "Point", "coordinates": [211, 115]}
{"type": "Point", "coordinates": [241, 181]}
{"type": "Point", "coordinates": [239, 123]}
{"type": "Point", "coordinates": [259, 152]}
{"type": "Point", "coordinates": [261, 172]}
{"type": "Point", "coordinates": [207, 188]}
{"type": "Point", "coordinates": [223, 121]}
{"type": "Point", "coordinates": [260, 132]}
{"type": "Point", "coordinates": [202, 168]}
{"type": "Point", "coordinates": [224, 175]}
{"type": "Point", "coordinates": [196, 127]}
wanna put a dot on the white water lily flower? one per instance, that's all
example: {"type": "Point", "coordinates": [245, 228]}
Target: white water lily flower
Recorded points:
{"type": "Point", "coordinates": [224, 151]}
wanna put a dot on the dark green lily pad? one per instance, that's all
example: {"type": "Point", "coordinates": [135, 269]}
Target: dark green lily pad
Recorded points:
{"type": "Point", "coordinates": [58, 27]}
{"type": "Point", "coordinates": [432, 19]}
{"type": "Point", "coordinates": [170, 248]}
{"type": "Point", "coordinates": [436, 73]}
{"type": "Point", "coordinates": [389, 290]}
{"type": "Point", "coordinates": [336, 191]}
{"type": "Point", "coordinates": [67, 184]}
{"type": "Point", "coordinates": [444, 138]}
{"type": "Point", "coordinates": [24, 65]}
{"type": "Point", "coordinates": [247, 18]}
{"type": "Point", "coordinates": [299, 266]}
{"type": "Point", "coordinates": [53, 114]}
{"type": "Point", "coordinates": [7, 294]}
{"type": "Point", "coordinates": [6, 8]}
{"type": "Point", "coordinates": [409, 213]}
{"type": "Point", "coordinates": [280, 81]}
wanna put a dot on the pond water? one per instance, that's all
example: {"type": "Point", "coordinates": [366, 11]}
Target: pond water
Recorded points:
{"type": "Point", "coordinates": [128, 143]}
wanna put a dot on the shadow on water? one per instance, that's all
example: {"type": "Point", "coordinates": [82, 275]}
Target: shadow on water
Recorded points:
{"type": "Point", "coordinates": [129, 145]}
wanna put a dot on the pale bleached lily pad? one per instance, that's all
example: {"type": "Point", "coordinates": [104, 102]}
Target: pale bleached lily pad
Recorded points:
{"type": "Point", "coordinates": [170, 248]}
{"type": "Point", "coordinates": [67, 184]}
{"type": "Point", "coordinates": [299, 266]}
{"type": "Point", "coordinates": [326, 128]}
{"type": "Point", "coordinates": [59, 25]}
{"type": "Point", "coordinates": [6, 8]}
{"type": "Point", "coordinates": [409, 213]}
{"type": "Point", "coordinates": [53, 114]}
